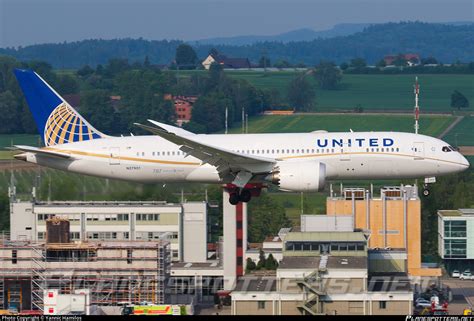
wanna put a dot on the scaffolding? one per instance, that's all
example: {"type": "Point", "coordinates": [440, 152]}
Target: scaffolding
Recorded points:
{"type": "Point", "coordinates": [114, 272]}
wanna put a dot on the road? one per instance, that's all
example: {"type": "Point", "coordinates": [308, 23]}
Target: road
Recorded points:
{"type": "Point", "coordinates": [463, 294]}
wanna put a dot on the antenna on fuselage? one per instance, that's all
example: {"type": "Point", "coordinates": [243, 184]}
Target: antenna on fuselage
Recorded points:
{"type": "Point", "coordinates": [417, 108]}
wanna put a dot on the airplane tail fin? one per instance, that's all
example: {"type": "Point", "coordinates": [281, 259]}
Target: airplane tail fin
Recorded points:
{"type": "Point", "coordinates": [57, 122]}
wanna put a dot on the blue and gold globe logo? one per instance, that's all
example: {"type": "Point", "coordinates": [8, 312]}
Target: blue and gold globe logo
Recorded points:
{"type": "Point", "coordinates": [64, 125]}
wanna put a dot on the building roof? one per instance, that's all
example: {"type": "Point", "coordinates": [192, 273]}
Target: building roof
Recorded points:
{"type": "Point", "coordinates": [449, 213]}
{"type": "Point", "coordinates": [232, 62]}
{"type": "Point", "coordinates": [202, 265]}
{"type": "Point", "coordinates": [326, 236]}
{"type": "Point", "coordinates": [459, 212]}
{"type": "Point", "coordinates": [255, 284]}
{"type": "Point", "coordinates": [104, 204]}
{"type": "Point", "coordinates": [334, 262]}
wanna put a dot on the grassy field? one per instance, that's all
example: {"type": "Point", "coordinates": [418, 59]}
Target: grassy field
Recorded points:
{"type": "Point", "coordinates": [463, 133]}
{"type": "Point", "coordinates": [18, 139]}
{"type": "Point", "coordinates": [372, 92]}
{"type": "Point", "coordinates": [430, 125]}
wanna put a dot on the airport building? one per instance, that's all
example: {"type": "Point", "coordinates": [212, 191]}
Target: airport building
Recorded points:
{"type": "Point", "coordinates": [119, 221]}
{"type": "Point", "coordinates": [323, 273]}
{"type": "Point", "coordinates": [456, 239]}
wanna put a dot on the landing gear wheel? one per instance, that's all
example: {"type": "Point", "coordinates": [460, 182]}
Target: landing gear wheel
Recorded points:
{"type": "Point", "coordinates": [426, 192]}
{"type": "Point", "coordinates": [234, 198]}
{"type": "Point", "coordinates": [245, 195]}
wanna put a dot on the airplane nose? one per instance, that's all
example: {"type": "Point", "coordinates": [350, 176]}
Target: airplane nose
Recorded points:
{"type": "Point", "coordinates": [464, 161]}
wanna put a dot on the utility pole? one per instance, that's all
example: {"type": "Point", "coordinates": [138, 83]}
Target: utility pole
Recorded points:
{"type": "Point", "coordinates": [246, 123]}
{"type": "Point", "coordinates": [226, 118]}
{"type": "Point", "coordinates": [243, 120]}
{"type": "Point", "coordinates": [417, 108]}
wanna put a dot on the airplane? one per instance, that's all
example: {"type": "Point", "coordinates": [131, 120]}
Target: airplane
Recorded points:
{"type": "Point", "coordinates": [243, 163]}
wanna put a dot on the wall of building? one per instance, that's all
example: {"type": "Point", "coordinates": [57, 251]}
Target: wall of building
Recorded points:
{"type": "Point", "coordinates": [194, 232]}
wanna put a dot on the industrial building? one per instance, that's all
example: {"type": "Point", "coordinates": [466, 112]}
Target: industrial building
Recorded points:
{"type": "Point", "coordinates": [456, 239]}
{"type": "Point", "coordinates": [323, 273]}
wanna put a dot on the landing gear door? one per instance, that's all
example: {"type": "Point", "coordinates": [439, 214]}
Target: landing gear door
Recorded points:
{"type": "Point", "coordinates": [114, 153]}
{"type": "Point", "coordinates": [418, 150]}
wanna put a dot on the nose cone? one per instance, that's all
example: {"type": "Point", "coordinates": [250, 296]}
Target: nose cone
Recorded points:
{"type": "Point", "coordinates": [464, 162]}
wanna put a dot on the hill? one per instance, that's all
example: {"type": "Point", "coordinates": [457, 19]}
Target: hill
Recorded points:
{"type": "Point", "coordinates": [447, 43]}
{"type": "Point", "coordinates": [304, 34]}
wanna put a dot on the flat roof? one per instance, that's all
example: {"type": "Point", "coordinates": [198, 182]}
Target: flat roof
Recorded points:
{"type": "Point", "coordinates": [334, 262]}
{"type": "Point", "coordinates": [255, 284]}
{"type": "Point", "coordinates": [326, 236]}
{"type": "Point", "coordinates": [203, 265]}
{"type": "Point", "coordinates": [460, 212]}
{"type": "Point", "coordinates": [106, 203]}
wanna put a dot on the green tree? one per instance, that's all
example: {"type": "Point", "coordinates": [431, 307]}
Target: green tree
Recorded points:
{"type": "Point", "coordinates": [261, 260]}
{"type": "Point", "coordinates": [282, 64]}
{"type": "Point", "coordinates": [264, 62]}
{"type": "Point", "coordinates": [344, 66]}
{"type": "Point", "coordinates": [271, 263]}
{"type": "Point", "coordinates": [250, 266]}
{"type": "Point", "coordinates": [381, 63]}
{"type": "Point", "coordinates": [266, 217]}
{"type": "Point", "coordinates": [97, 109]}
{"type": "Point", "coordinates": [358, 63]}
{"type": "Point", "coordinates": [301, 94]}
{"type": "Point", "coordinates": [186, 57]}
{"type": "Point", "coordinates": [4, 212]}
{"type": "Point", "coordinates": [8, 113]}
{"type": "Point", "coordinates": [458, 100]}
{"type": "Point", "coordinates": [327, 75]}
{"type": "Point", "coordinates": [209, 111]}
{"type": "Point", "coordinates": [85, 71]}
{"type": "Point", "coordinates": [67, 85]}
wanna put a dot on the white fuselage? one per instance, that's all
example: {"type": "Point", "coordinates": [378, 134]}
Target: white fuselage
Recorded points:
{"type": "Point", "coordinates": [352, 155]}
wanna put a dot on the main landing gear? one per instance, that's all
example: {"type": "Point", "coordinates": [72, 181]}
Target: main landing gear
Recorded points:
{"type": "Point", "coordinates": [244, 194]}
{"type": "Point", "coordinates": [237, 196]}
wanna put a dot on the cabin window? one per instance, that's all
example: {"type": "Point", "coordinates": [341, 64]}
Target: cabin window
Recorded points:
{"type": "Point", "coordinates": [153, 153]}
{"type": "Point", "coordinates": [398, 149]}
{"type": "Point", "coordinates": [143, 153]}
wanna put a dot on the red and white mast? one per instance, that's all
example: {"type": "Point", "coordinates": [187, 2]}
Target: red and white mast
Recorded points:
{"type": "Point", "coordinates": [417, 108]}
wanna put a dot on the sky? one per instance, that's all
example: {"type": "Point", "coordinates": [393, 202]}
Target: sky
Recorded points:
{"type": "Point", "coordinates": [26, 22]}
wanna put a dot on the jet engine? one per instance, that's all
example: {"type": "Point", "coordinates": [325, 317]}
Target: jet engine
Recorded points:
{"type": "Point", "coordinates": [299, 176]}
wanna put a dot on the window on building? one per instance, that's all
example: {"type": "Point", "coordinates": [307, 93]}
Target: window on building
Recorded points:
{"type": "Point", "coordinates": [382, 304]}
{"type": "Point", "coordinates": [129, 256]}
{"type": "Point", "coordinates": [14, 256]}
{"type": "Point", "coordinates": [261, 305]}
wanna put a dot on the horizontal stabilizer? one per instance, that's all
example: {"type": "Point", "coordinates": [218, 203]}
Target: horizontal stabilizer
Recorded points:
{"type": "Point", "coordinates": [45, 152]}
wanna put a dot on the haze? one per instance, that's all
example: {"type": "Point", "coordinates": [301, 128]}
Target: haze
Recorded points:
{"type": "Point", "coordinates": [26, 22]}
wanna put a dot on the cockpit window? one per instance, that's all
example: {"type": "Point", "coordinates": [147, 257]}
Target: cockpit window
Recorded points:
{"type": "Point", "coordinates": [446, 149]}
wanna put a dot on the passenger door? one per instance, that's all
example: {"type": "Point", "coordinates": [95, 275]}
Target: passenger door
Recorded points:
{"type": "Point", "coordinates": [418, 150]}
{"type": "Point", "coordinates": [114, 153]}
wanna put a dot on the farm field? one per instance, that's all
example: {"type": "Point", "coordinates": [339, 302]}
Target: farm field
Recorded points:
{"type": "Point", "coordinates": [372, 92]}
{"type": "Point", "coordinates": [463, 133]}
{"type": "Point", "coordinates": [429, 124]}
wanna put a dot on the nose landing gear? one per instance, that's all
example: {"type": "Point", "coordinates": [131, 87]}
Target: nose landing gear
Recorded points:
{"type": "Point", "coordinates": [426, 190]}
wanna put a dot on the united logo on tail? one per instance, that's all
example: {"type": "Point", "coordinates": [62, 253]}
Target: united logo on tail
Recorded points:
{"type": "Point", "coordinates": [57, 122]}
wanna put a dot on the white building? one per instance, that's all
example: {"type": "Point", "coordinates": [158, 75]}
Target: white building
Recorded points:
{"type": "Point", "coordinates": [119, 221]}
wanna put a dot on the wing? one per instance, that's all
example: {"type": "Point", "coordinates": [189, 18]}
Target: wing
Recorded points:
{"type": "Point", "coordinates": [231, 166]}
{"type": "Point", "coordinates": [42, 151]}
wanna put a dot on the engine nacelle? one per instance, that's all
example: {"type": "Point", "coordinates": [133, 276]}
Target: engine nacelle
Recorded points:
{"type": "Point", "coordinates": [299, 176]}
